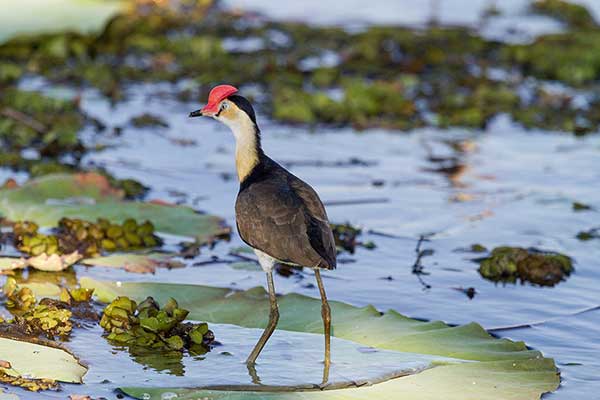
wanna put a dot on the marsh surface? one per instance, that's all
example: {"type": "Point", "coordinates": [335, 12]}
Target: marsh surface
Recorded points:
{"type": "Point", "coordinates": [455, 188]}
{"type": "Point", "coordinates": [513, 188]}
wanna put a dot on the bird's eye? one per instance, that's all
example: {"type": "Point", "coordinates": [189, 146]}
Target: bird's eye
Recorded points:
{"type": "Point", "coordinates": [224, 106]}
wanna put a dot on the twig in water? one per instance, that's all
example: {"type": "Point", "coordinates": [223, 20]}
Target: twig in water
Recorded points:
{"type": "Point", "coordinates": [23, 119]}
{"type": "Point", "coordinates": [418, 268]}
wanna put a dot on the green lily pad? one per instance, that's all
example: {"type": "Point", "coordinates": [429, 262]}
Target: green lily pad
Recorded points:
{"type": "Point", "coordinates": [500, 369]}
{"type": "Point", "coordinates": [89, 196]}
{"type": "Point", "coordinates": [83, 16]}
{"type": "Point", "coordinates": [38, 361]}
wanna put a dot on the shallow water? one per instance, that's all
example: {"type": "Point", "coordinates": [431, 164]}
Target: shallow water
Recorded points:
{"type": "Point", "coordinates": [516, 188]}
{"type": "Point", "coordinates": [290, 359]}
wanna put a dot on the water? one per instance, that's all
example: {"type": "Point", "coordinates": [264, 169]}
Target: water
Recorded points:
{"type": "Point", "coordinates": [291, 359]}
{"type": "Point", "coordinates": [517, 188]}
{"type": "Point", "coordinates": [513, 24]}
{"type": "Point", "coordinates": [508, 187]}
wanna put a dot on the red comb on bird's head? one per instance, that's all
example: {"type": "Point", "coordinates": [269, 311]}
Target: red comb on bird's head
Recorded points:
{"type": "Point", "coordinates": [216, 95]}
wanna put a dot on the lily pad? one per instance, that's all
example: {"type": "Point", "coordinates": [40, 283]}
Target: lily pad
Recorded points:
{"type": "Point", "coordinates": [39, 361]}
{"type": "Point", "coordinates": [83, 16]}
{"type": "Point", "coordinates": [90, 196]}
{"type": "Point", "coordinates": [500, 369]}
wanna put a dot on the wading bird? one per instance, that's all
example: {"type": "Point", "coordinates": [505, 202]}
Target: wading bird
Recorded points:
{"type": "Point", "coordinates": [277, 214]}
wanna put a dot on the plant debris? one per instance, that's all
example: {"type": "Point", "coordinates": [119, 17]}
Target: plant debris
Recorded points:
{"type": "Point", "coordinates": [86, 238]}
{"type": "Point", "coordinates": [593, 233]}
{"type": "Point", "coordinates": [148, 121]}
{"type": "Point", "coordinates": [146, 325]}
{"type": "Point", "coordinates": [509, 264]}
{"type": "Point", "coordinates": [380, 76]}
{"type": "Point", "coordinates": [345, 236]}
{"type": "Point", "coordinates": [577, 206]}
{"type": "Point", "coordinates": [33, 385]}
{"type": "Point", "coordinates": [50, 318]}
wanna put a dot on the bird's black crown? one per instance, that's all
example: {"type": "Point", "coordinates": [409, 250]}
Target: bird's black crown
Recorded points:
{"type": "Point", "coordinates": [244, 105]}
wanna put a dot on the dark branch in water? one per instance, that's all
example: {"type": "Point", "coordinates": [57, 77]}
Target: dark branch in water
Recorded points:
{"type": "Point", "coordinates": [418, 268]}
{"type": "Point", "coordinates": [23, 119]}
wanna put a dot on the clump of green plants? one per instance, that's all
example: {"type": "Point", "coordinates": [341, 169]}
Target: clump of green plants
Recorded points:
{"type": "Point", "coordinates": [147, 325]}
{"type": "Point", "coordinates": [18, 299]}
{"type": "Point", "coordinates": [382, 76]}
{"type": "Point", "coordinates": [509, 264]}
{"type": "Point", "coordinates": [88, 238]}
{"type": "Point", "coordinates": [49, 318]}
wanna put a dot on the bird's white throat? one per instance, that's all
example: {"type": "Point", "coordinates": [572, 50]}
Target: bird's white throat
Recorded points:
{"type": "Point", "coordinates": [246, 146]}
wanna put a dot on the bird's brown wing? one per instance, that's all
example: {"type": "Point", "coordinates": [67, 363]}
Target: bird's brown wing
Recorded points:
{"type": "Point", "coordinates": [320, 232]}
{"type": "Point", "coordinates": [274, 218]}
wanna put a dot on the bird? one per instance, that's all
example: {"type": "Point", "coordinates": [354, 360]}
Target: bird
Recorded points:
{"type": "Point", "coordinates": [277, 214]}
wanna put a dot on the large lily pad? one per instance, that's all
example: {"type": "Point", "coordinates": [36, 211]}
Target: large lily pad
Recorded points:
{"type": "Point", "coordinates": [83, 16]}
{"type": "Point", "coordinates": [39, 361]}
{"type": "Point", "coordinates": [89, 196]}
{"type": "Point", "coordinates": [500, 369]}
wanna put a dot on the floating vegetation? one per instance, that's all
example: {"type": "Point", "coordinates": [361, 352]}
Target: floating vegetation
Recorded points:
{"type": "Point", "coordinates": [33, 385]}
{"type": "Point", "coordinates": [593, 233]}
{"type": "Point", "coordinates": [18, 299]}
{"type": "Point", "coordinates": [147, 325]}
{"type": "Point", "coordinates": [345, 236]}
{"type": "Point", "coordinates": [508, 264]}
{"type": "Point", "coordinates": [48, 199]}
{"type": "Point", "coordinates": [32, 120]}
{"type": "Point", "coordinates": [148, 121]}
{"type": "Point", "coordinates": [49, 318]}
{"type": "Point", "coordinates": [577, 206]}
{"type": "Point", "coordinates": [86, 238]}
{"type": "Point", "coordinates": [381, 76]}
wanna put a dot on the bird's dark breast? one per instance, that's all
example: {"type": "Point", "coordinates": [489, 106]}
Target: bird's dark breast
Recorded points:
{"type": "Point", "coordinates": [282, 216]}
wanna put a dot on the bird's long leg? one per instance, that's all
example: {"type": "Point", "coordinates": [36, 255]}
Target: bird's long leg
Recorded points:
{"type": "Point", "coordinates": [273, 319]}
{"type": "Point", "coordinates": [326, 315]}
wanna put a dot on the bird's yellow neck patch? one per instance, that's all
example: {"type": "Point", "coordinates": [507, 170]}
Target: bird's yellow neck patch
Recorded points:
{"type": "Point", "coordinates": [246, 158]}
{"type": "Point", "coordinates": [247, 148]}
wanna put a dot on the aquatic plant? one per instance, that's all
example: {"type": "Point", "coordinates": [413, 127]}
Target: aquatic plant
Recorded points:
{"type": "Point", "coordinates": [147, 325]}
{"type": "Point", "coordinates": [507, 264]}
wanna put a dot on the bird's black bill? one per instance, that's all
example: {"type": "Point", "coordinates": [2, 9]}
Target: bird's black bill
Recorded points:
{"type": "Point", "coordinates": [197, 113]}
